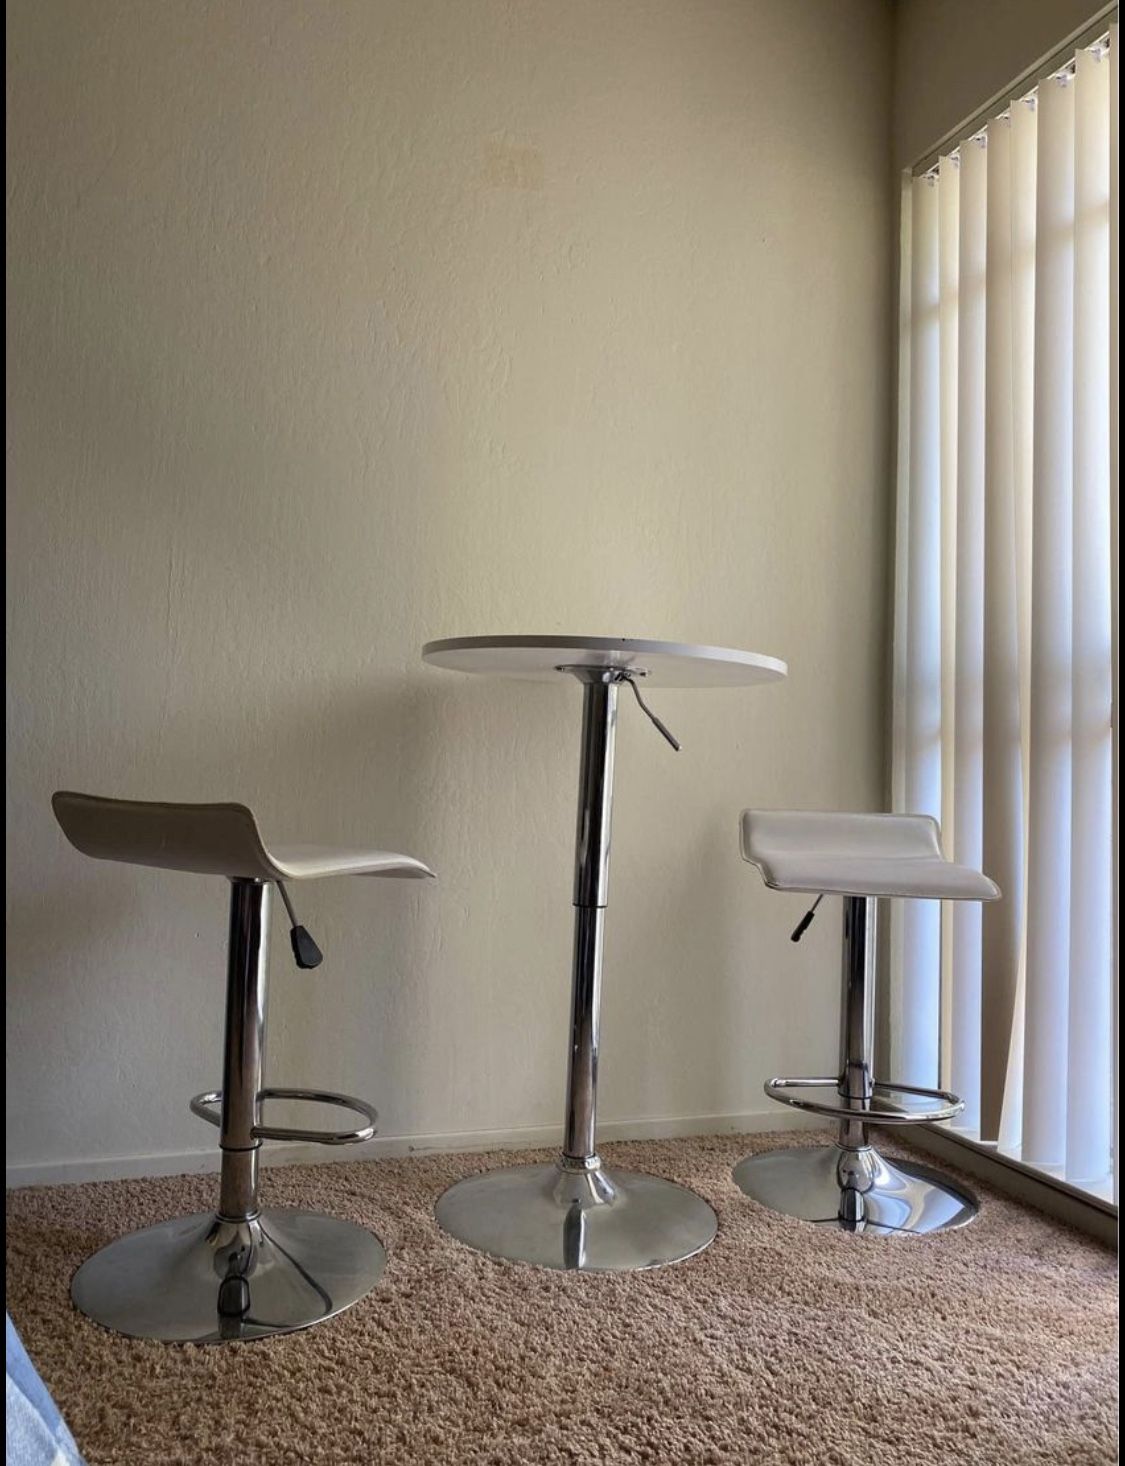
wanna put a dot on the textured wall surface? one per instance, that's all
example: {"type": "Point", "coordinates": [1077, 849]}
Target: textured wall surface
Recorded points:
{"type": "Point", "coordinates": [336, 328]}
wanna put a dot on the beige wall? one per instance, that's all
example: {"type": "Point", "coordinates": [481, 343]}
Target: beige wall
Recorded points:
{"type": "Point", "coordinates": [335, 328]}
{"type": "Point", "coordinates": [951, 56]}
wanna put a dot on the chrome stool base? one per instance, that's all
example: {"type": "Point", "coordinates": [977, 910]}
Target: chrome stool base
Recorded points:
{"type": "Point", "coordinates": [849, 1185]}
{"type": "Point", "coordinates": [204, 1280]}
{"type": "Point", "coordinates": [855, 1190]}
{"type": "Point", "coordinates": [591, 1220]}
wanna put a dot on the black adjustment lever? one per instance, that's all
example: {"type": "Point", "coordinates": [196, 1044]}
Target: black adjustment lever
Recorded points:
{"type": "Point", "coordinates": [306, 953]}
{"type": "Point", "coordinates": [648, 712]}
{"type": "Point", "coordinates": [806, 920]}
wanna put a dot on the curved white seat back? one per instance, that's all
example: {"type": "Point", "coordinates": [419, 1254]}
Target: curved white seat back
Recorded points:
{"type": "Point", "coordinates": [840, 833]}
{"type": "Point", "coordinates": [209, 839]}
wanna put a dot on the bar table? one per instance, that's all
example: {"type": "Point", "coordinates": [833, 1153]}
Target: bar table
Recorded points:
{"type": "Point", "coordinates": [578, 1214]}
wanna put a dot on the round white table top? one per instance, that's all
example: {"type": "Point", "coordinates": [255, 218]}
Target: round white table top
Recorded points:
{"type": "Point", "coordinates": [664, 663]}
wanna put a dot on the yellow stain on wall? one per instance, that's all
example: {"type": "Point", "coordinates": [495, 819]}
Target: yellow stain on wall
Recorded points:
{"type": "Point", "coordinates": [507, 166]}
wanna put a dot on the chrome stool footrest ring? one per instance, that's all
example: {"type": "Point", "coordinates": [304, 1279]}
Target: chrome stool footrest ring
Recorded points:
{"type": "Point", "coordinates": [206, 1106]}
{"type": "Point", "coordinates": [880, 1109]}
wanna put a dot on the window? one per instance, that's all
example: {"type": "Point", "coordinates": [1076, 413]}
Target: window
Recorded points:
{"type": "Point", "coordinates": [1006, 618]}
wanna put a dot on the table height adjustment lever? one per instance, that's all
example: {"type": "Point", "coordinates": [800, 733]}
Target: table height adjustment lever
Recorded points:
{"type": "Point", "coordinates": [648, 712]}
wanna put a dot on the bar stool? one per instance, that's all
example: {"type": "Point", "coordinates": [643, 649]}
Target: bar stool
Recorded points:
{"type": "Point", "coordinates": [849, 1184]}
{"type": "Point", "coordinates": [240, 1272]}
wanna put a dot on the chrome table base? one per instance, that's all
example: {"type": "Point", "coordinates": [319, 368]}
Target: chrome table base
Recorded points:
{"type": "Point", "coordinates": [855, 1190]}
{"type": "Point", "coordinates": [589, 1220]}
{"type": "Point", "coordinates": [576, 1214]}
{"type": "Point", "coordinates": [202, 1280]}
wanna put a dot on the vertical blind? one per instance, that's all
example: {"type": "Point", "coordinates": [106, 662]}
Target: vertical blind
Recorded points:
{"type": "Point", "coordinates": [1005, 618]}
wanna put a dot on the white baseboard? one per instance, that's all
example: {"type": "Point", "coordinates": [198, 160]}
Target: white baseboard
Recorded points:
{"type": "Point", "coordinates": [194, 1162]}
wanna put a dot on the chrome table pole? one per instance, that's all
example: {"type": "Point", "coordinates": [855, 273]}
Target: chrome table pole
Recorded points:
{"type": "Point", "coordinates": [577, 1214]}
{"type": "Point", "coordinates": [591, 893]}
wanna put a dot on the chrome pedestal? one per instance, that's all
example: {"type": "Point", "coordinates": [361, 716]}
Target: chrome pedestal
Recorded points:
{"type": "Point", "coordinates": [238, 1273]}
{"type": "Point", "coordinates": [849, 1185]}
{"type": "Point", "coordinates": [856, 1191]}
{"type": "Point", "coordinates": [587, 1221]}
{"type": "Point", "coordinates": [577, 1214]}
{"type": "Point", "coordinates": [203, 1280]}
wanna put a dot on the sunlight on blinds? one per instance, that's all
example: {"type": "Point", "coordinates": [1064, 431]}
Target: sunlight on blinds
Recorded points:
{"type": "Point", "coordinates": [1006, 631]}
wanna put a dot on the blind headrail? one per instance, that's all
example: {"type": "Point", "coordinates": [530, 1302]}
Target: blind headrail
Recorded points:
{"type": "Point", "coordinates": [1046, 66]}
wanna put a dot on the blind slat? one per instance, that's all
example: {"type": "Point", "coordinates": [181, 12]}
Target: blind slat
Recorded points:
{"type": "Point", "coordinates": [1049, 827]}
{"type": "Point", "coordinates": [949, 228]}
{"type": "Point", "coordinates": [1114, 492]}
{"type": "Point", "coordinates": [1002, 829]}
{"type": "Point", "coordinates": [1088, 1102]}
{"type": "Point", "coordinates": [968, 618]}
{"type": "Point", "coordinates": [921, 1010]}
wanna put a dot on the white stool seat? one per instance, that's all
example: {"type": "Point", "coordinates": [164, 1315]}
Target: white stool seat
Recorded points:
{"type": "Point", "coordinates": [848, 1184]}
{"type": "Point", "coordinates": [209, 839]}
{"type": "Point", "coordinates": [857, 855]}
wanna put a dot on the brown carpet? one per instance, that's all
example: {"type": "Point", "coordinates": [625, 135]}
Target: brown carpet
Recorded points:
{"type": "Point", "coordinates": [781, 1343]}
